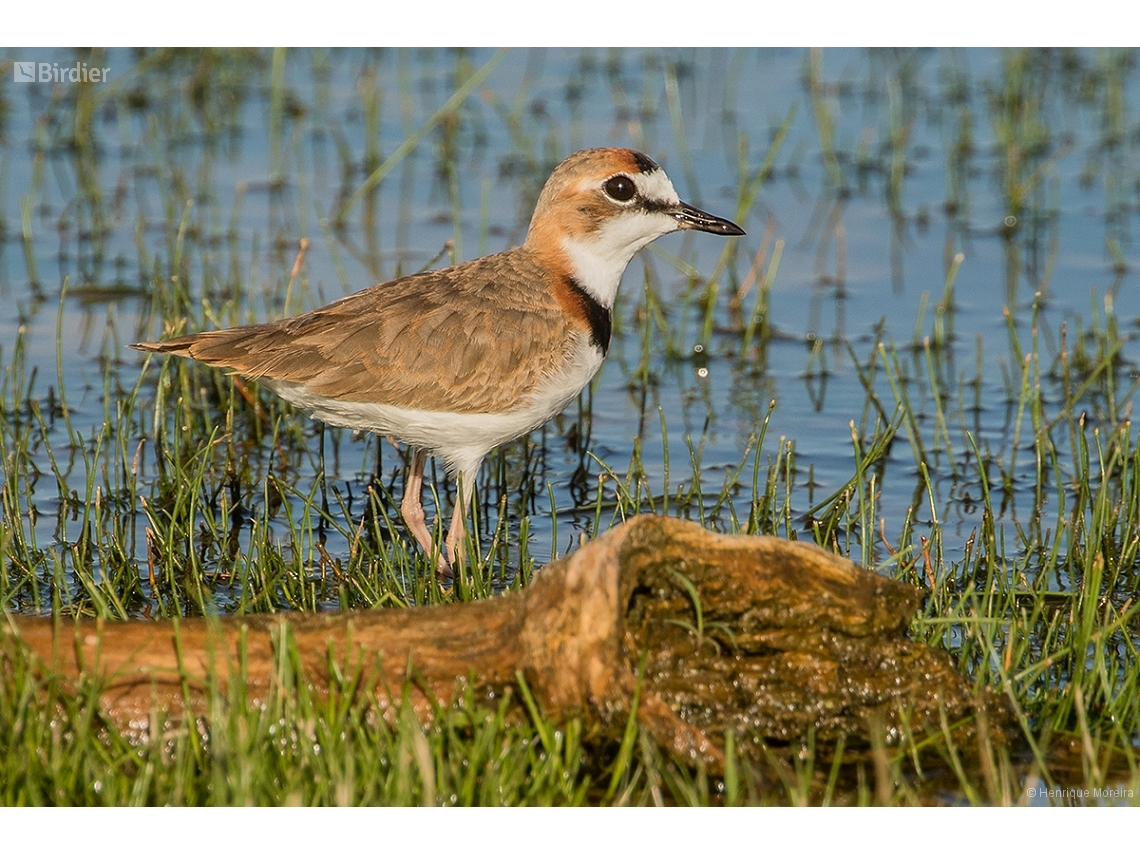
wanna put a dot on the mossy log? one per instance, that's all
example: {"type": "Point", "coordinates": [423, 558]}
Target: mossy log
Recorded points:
{"type": "Point", "coordinates": [770, 638]}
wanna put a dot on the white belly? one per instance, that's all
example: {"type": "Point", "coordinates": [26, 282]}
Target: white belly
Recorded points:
{"type": "Point", "coordinates": [461, 439]}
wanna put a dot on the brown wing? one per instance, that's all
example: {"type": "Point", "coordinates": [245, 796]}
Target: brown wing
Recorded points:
{"type": "Point", "coordinates": [472, 338]}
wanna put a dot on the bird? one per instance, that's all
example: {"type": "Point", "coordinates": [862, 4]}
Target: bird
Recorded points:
{"type": "Point", "coordinates": [459, 360]}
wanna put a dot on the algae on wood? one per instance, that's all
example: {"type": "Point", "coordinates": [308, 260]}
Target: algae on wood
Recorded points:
{"type": "Point", "coordinates": [773, 639]}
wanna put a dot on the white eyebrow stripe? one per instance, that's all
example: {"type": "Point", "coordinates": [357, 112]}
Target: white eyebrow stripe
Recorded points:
{"type": "Point", "coordinates": [656, 186]}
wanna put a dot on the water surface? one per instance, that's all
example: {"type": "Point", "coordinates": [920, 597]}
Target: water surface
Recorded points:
{"type": "Point", "coordinates": [914, 199]}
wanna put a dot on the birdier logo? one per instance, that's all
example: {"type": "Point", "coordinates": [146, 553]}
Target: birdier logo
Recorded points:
{"type": "Point", "coordinates": [53, 72]}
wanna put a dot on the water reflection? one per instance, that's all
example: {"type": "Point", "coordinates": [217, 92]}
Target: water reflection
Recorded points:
{"type": "Point", "coordinates": [897, 202]}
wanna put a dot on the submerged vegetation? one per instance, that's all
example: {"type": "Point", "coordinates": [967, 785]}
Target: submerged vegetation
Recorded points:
{"type": "Point", "coordinates": [922, 357]}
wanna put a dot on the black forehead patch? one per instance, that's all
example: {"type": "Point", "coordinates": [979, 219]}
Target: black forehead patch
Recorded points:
{"type": "Point", "coordinates": [644, 163]}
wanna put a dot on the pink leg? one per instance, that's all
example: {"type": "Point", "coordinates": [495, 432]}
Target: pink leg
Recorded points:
{"type": "Point", "coordinates": [466, 488]}
{"type": "Point", "coordinates": [411, 508]}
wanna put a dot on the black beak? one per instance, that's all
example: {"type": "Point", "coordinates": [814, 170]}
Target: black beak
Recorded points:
{"type": "Point", "coordinates": [688, 217]}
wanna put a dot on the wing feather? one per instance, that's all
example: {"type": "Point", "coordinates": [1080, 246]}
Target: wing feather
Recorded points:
{"type": "Point", "coordinates": [472, 338]}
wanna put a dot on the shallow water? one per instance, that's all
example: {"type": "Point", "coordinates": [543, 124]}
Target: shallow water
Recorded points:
{"type": "Point", "coordinates": [891, 165]}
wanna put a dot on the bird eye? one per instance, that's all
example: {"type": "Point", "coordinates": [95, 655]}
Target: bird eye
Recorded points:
{"type": "Point", "coordinates": [620, 188]}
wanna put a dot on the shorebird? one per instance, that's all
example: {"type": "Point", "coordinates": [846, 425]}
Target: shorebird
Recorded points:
{"type": "Point", "coordinates": [460, 360]}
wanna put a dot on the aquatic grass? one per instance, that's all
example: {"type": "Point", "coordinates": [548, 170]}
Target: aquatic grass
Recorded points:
{"type": "Point", "coordinates": [165, 489]}
{"type": "Point", "coordinates": [680, 786]}
{"type": "Point", "coordinates": [412, 140]}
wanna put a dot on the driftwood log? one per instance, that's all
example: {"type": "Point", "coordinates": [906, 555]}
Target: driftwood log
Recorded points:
{"type": "Point", "coordinates": [770, 638]}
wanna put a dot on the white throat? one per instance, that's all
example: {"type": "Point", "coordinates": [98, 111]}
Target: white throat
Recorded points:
{"type": "Point", "coordinates": [598, 260]}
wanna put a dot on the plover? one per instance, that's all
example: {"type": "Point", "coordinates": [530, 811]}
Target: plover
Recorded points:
{"type": "Point", "coordinates": [457, 361]}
